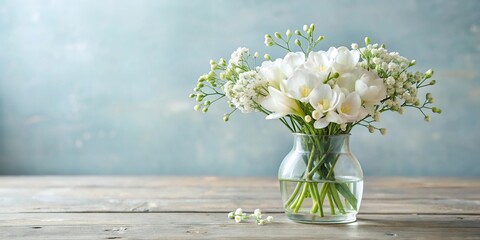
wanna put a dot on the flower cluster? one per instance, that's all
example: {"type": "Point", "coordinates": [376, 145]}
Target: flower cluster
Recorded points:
{"type": "Point", "coordinates": [240, 216]}
{"type": "Point", "coordinates": [317, 92]}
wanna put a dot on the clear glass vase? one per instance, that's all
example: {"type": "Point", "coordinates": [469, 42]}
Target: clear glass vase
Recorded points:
{"type": "Point", "coordinates": [321, 181]}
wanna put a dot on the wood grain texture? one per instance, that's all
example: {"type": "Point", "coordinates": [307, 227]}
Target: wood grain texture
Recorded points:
{"type": "Point", "coordinates": [196, 207]}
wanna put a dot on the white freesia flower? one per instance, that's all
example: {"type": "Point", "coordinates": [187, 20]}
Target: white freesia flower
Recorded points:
{"type": "Point", "coordinates": [301, 84]}
{"type": "Point", "coordinates": [324, 99]}
{"type": "Point", "coordinates": [291, 62]}
{"type": "Point", "coordinates": [320, 63]}
{"type": "Point", "coordinates": [371, 89]}
{"type": "Point", "coordinates": [280, 104]}
{"type": "Point", "coordinates": [350, 108]}
{"type": "Point", "coordinates": [272, 72]}
{"type": "Point", "coordinates": [345, 60]}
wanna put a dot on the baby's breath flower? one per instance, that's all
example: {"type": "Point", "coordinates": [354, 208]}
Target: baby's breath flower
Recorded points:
{"type": "Point", "coordinates": [238, 212]}
{"type": "Point", "coordinates": [247, 91]}
{"type": "Point", "coordinates": [238, 219]}
{"type": "Point", "coordinates": [269, 219]}
{"type": "Point", "coordinates": [231, 215]}
{"type": "Point", "coordinates": [258, 213]}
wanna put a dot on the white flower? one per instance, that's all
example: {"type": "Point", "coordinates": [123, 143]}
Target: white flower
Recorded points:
{"type": "Point", "coordinates": [238, 212]}
{"type": "Point", "coordinates": [236, 56]}
{"type": "Point", "coordinates": [280, 104]}
{"type": "Point", "coordinates": [301, 84]}
{"type": "Point", "coordinates": [320, 63]}
{"type": "Point", "coordinates": [350, 108]}
{"type": "Point", "coordinates": [371, 89]}
{"type": "Point", "coordinates": [258, 213]}
{"type": "Point", "coordinates": [272, 72]}
{"type": "Point", "coordinates": [324, 99]}
{"type": "Point", "coordinates": [238, 219]}
{"type": "Point", "coordinates": [269, 219]}
{"type": "Point", "coordinates": [344, 60]}
{"type": "Point", "coordinates": [247, 91]}
{"type": "Point", "coordinates": [291, 62]}
{"type": "Point", "coordinates": [347, 80]}
{"type": "Point", "coordinates": [231, 215]}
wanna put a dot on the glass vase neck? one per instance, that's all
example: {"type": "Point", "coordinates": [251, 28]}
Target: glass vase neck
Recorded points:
{"type": "Point", "coordinates": [334, 143]}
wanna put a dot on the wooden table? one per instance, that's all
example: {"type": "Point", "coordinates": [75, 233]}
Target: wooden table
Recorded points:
{"type": "Point", "coordinates": [196, 208]}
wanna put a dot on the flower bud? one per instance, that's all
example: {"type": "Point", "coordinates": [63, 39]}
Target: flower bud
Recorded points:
{"type": "Point", "coordinates": [336, 75]}
{"type": "Point", "coordinates": [212, 62]}
{"type": "Point", "coordinates": [197, 107]}
{"type": "Point", "coordinates": [269, 219]}
{"type": "Point", "coordinates": [267, 57]}
{"type": "Point", "coordinates": [288, 33]}
{"type": "Point", "coordinates": [432, 82]}
{"type": "Point", "coordinates": [297, 42]}
{"type": "Point", "coordinates": [207, 103]}
{"type": "Point", "coordinates": [320, 38]}
{"type": "Point", "coordinates": [256, 54]}
{"type": "Point", "coordinates": [200, 85]}
{"type": "Point", "coordinates": [308, 118]}
{"type": "Point", "coordinates": [413, 62]}
{"type": "Point", "coordinates": [238, 219]}
{"type": "Point", "coordinates": [436, 110]}
{"type": "Point", "coordinates": [305, 28]}
{"type": "Point", "coordinates": [428, 96]}
{"type": "Point", "coordinates": [383, 131]}
{"type": "Point", "coordinates": [222, 62]}
{"type": "Point", "coordinates": [297, 32]}
{"type": "Point", "coordinates": [278, 35]}
{"type": "Point", "coordinates": [231, 215]}
{"type": "Point", "coordinates": [371, 129]}
{"type": "Point", "coordinates": [429, 73]}
{"type": "Point", "coordinates": [354, 46]}
{"type": "Point", "coordinates": [367, 40]}
{"type": "Point", "coordinates": [205, 109]}
{"type": "Point", "coordinates": [226, 117]}
{"type": "Point", "coordinates": [196, 89]}
{"type": "Point", "coordinates": [312, 27]}
{"type": "Point", "coordinates": [261, 222]}
{"type": "Point", "coordinates": [191, 95]}
{"type": "Point", "coordinates": [427, 118]}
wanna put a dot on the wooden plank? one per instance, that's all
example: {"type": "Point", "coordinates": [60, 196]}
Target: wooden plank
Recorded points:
{"type": "Point", "coordinates": [217, 226]}
{"type": "Point", "coordinates": [213, 194]}
{"type": "Point", "coordinates": [375, 187]}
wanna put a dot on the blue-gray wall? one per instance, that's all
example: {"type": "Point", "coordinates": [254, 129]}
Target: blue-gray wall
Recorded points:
{"type": "Point", "coordinates": [100, 87]}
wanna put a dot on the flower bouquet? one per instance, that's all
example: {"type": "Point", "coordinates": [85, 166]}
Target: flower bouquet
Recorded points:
{"type": "Point", "coordinates": [319, 96]}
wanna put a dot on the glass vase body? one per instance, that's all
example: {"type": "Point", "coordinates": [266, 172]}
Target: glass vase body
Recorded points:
{"type": "Point", "coordinates": [321, 181]}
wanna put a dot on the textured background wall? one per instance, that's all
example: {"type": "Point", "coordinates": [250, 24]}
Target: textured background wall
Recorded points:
{"type": "Point", "coordinates": [100, 87]}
